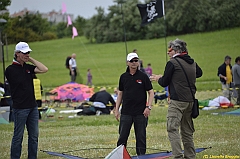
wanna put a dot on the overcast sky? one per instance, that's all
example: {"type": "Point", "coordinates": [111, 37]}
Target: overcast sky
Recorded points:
{"type": "Point", "coordinates": [84, 8]}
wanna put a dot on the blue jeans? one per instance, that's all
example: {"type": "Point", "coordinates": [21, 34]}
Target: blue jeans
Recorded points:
{"type": "Point", "coordinates": [22, 117]}
{"type": "Point", "coordinates": [140, 124]}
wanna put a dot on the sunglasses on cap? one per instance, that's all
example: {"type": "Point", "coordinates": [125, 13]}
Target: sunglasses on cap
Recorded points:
{"type": "Point", "coordinates": [133, 61]}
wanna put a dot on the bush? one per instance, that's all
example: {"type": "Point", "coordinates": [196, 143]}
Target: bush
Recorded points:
{"type": "Point", "coordinates": [49, 36]}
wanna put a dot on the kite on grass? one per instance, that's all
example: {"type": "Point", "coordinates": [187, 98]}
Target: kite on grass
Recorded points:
{"type": "Point", "coordinates": [119, 152]}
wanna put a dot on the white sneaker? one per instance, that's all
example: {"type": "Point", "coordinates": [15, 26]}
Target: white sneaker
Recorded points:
{"type": "Point", "coordinates": [98, 112]}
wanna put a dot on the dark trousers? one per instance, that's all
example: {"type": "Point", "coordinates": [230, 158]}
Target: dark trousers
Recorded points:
{"type": "Point", "coordinates": [140, 124]}
{"type": "Point", "coordinates": [73, 77]}
{"type": "Point", "coordinates": [237, 86]}
{"type": "Point", "coordinates": [103, 110]}
{"type": "Point", "coordinates": [39, 103]}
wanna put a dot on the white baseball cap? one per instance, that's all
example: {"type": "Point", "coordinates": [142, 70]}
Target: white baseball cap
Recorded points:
{"type": "Point", "coordinates": [132, 55]}
{"type": "Point", "coordinates": [23, 47]}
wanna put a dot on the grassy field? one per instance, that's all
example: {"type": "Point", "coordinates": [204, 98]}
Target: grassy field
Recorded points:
{"type": "Point", "coordinates": [221, 132]}
{"type": "Point", "coordinates": [107, 61]}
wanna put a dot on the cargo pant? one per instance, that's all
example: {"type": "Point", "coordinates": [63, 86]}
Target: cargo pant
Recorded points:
{"type": "Point", "coordinates": [225, 88]}
{"type": "Point", "coordinates": [179, 116]}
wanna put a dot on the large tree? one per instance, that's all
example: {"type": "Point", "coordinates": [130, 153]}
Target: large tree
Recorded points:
{"type": "Point", "coordinates": [4, 4]}
{"type": "Point", "coordinates": [30, 27]}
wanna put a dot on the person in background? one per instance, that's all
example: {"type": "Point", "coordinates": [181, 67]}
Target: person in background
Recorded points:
{"type": "Point", "coordinates": [100, 101]}
{"type": "Point", "coordinates": [25, 110]}
{"type": "Point", "coordinates": [148, 70]}
{"type": "Point", "coordinates": [133, 88]}
{"type": "Point", "coordinates": [161, 96]}
{"type": "Point", "coordinates": [236, 77]}
{"type": "Point", "coordinates": [2, 90]}
{"type": "Point", "coordinates": [141, 68]}
{"type": "Point", "coordinates": [2, 97]}
{"type": "Point", "coordinates": [181, 99]}
{"type": "Point", "coordinates": [8, 99]}
{"type": "Point", "coordinates": [73, 67]}
{"type": "Point", "coordinates": [38, 91]}
{"type": "Point", "coordinates": [225, 76]}
{"type": "Point", "coordinates": [134, 50]}
{"type": "Point", "coordinates": [89, 77]}
{"type": "Point", "coordinates": [115, 94]}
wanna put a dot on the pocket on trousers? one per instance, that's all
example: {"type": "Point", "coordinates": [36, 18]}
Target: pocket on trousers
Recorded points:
{"type": "Point", "coordinates": [172, 122]}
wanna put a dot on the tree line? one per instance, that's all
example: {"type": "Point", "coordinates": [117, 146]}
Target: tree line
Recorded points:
{"type": "Point", "coordinates": [123, 18]}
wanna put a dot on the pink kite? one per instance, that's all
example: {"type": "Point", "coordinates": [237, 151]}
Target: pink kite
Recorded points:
{"type": "Point", "coordinates": [69, 21]}
{"type": "Point", "coordinates": [74, 31]}
{"type": "Point", "coordinates": [64, 9]}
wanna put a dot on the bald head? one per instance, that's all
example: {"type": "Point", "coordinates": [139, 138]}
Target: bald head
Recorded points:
{"type": "Point", "coordinates": [74, 55]}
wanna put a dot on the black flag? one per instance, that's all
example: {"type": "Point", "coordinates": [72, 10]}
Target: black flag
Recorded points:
{"type": "Point", "coordinates": [151, 11]}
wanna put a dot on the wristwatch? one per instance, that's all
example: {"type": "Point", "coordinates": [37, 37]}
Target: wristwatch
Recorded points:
{"type": "Point", "coordinates": [149, 107]}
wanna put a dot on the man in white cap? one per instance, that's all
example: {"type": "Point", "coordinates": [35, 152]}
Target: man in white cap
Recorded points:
{"type": "Point", "coordinates": [133, 85]}
{"type": "Point", "coordinates": [25, 110]}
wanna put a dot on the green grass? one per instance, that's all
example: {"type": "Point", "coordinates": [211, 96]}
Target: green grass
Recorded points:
{"type": "Point", "coordinates": [65, 134]}
{"type": "Point", "coordinates": [107, 61]}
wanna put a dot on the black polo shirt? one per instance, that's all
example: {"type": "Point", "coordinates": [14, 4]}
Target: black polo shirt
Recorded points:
{"type": "Point", "coordinates": [134, 87]}
{"type": "Point", "coordinates": [20, 79]}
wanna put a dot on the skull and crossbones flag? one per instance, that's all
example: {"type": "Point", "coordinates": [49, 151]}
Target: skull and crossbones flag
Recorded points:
{"type": "Point", "coordinates": [151, 11]}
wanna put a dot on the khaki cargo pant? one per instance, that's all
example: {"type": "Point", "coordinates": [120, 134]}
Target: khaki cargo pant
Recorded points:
{"type": "Point", "coordinates": [179, 116]}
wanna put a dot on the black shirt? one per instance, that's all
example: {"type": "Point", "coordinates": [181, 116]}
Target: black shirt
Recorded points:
{"type": "Point", "coordinates": [134, 95]}
{"type": "Point", "coordinates": [20, 79]}
{"type": "Point", "coordinates": [222, 71]}
{"type": "Point", "coordinates": [102, 96]}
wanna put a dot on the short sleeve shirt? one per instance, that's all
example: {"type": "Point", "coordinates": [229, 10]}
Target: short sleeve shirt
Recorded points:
{"type": "Point", "coordinates": [20, 79]}
{"type": "Point", "coordinates": [134, 89]}
{"type": "Point", "coordinates": [72, 62]}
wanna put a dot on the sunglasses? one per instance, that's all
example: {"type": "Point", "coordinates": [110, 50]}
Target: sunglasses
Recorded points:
{"type": "Point", "coordinates": [133, 61]}
{"type": "Point", "coordinates": [26, 52]}
{"type": "Point", "coordinates": [170, 49]}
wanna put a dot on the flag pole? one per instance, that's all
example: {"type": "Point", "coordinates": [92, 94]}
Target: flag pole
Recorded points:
{"type": "Point", "coordinates": [165, 29]}
{"type": "Point", "coordinates": [124, 29]}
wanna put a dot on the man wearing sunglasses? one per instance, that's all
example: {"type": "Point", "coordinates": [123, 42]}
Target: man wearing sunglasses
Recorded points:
{"type": "Point", "coordinates": [133, 85]}
{"type": "Point", "coordinates": [181, 88]}
{"type": "Point", "coordinates": [25, 110]}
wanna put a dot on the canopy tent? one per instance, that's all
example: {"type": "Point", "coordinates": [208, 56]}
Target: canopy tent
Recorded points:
{"type": "Point", "coordinates": [73, 91]}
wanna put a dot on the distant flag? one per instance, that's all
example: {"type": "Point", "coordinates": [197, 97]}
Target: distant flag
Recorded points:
{"type": "Point", "coordinates": [74, 32]}
{"type": "Point", "coordinates": [69, 21]}
{"type": "Point", "coordinates": [64, 8]}
{"type": "Point", "coordinates": [151, 11]}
